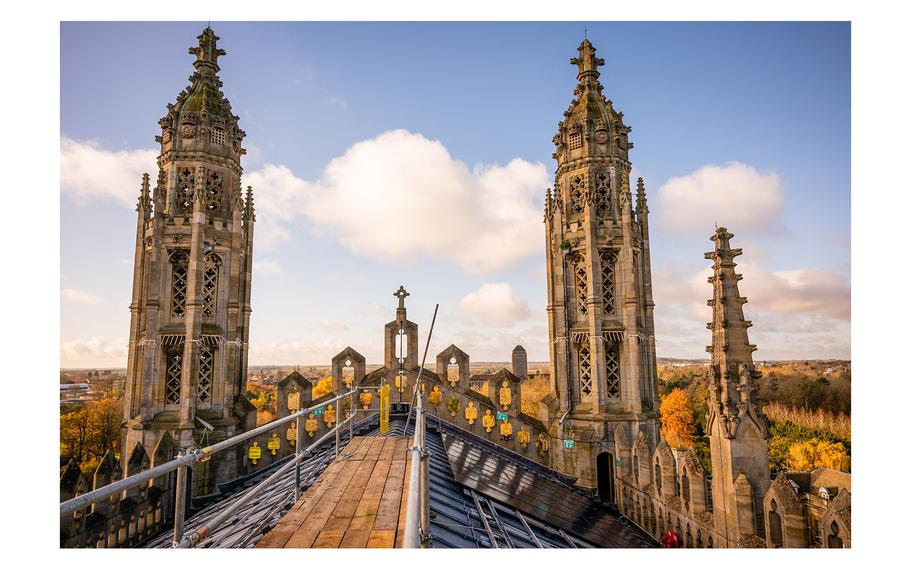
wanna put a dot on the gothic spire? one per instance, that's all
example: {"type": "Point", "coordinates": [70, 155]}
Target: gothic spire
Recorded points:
{"type": "Point", "coordinates": [732, 375]}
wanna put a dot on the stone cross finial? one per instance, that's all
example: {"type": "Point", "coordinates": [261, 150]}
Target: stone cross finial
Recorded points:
{"type": "Point", "coordinates": [207, 51]}
{"type": "Point", "coordinates": [401, 294]}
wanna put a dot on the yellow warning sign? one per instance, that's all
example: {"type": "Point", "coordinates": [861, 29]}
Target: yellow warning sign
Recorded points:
{"type": "Point", "coordinates": [384, 406]}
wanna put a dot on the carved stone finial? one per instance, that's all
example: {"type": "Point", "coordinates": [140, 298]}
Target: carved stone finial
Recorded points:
{"type": "Point", "coordinates": [144, 200]}
{"type": "Point", "coordinates": [207, 51]}
{"type": "Point", "coordinates": [401, 294]}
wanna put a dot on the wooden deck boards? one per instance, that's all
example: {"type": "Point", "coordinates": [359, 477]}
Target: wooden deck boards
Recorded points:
{"type": "Point", "coordinates": [359, 500]}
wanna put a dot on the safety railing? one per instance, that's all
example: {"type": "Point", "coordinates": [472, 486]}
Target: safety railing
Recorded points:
{"type": "Point", "coordinates": [417, 516]}
{"type": "Point", "coordinates": [193, 456]}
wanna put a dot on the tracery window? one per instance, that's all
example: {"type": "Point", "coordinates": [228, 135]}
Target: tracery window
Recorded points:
{"type": "Point", "coordinates": [179, 271]}
{"type": "Point", "coordinates": [210, 285]}
{"type": "Point", "coordinates": [612, 371]}
{"type": "Point", "coordinates": [186, 180]}
{"type": "Point", "coordinates": [174, 377]}
{"type": "Point", "coordinates": [581, 285]}
{"type": "Point", "coordinates": [584, 371]}
{"type": "Point", "coordinates": [577, 193]}
{"type": "Point", "coordinates": [214, 191]}
{"type": "Point", "coordinates": [608, 280]}
{"type": "Point", "coordinates": [603, 193]}
{"type": "Point", "coordinates": [206, 370]}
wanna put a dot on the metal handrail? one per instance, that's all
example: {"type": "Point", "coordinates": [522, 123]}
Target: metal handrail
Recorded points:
{"type": "Point", "coordinates": [193, 456]}
{"type": "Point", "coordinates": [417, 516]}
{"type": "Point", "coordinates": [199, 534]}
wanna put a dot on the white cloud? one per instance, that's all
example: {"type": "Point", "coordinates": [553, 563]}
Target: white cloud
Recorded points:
{"type": "Point", "coordinates": [733, 195]}
{"type": "Point", "coordinates": [495, 304]}
{"type": "Point", "coordinates": [266, 267]}
{"type": "Point", "coordinates": [333, 325]}
{"type": "Point", "coordinates": [89, 171]}
{"type": "Point", "coordinates": [78, 296]}
{"type": "Point", "coordinates": [392, 197]}
{"type": "Point", "coordinates": [95, 352]}
{"type": "Point", "coordinates": [400, 195]}
{"type": "Point", "coordinates": [279, 197]}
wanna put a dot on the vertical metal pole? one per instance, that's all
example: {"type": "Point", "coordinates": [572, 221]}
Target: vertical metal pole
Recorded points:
{"type": "Point", "coordinates": [424, 481]}
{"type": "Point", "coordinates": [180, 502]}
{"type": "Point", "coordinates": [338, 416]}
{"type": "Point", "coordinates": [299, 450]}
{"type": "Point", "coordinates": [353, 412]}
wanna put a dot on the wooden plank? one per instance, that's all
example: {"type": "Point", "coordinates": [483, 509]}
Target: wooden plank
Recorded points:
{"type": "Point", "coordinates": [387, 515]}
{"type": "Point", "coordinates": [314, 523]}
{"type": "Point", "coordinates": [381, 539]}
{"type": "Point", "coordinates": [358, 533]}
{"type": "Point", "coordinates": [403, 507]}
{"type": "Point", "coordinates": [334, 529]}
{"type": "Point", "coordinates": [277, 537]}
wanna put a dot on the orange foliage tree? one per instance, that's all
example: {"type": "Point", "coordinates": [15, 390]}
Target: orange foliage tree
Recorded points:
{"type": "Point", "coordinates": [677, 419]}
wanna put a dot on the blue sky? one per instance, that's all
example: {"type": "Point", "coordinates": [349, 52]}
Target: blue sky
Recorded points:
{"type": "Point", "coordinates": [753, 118]}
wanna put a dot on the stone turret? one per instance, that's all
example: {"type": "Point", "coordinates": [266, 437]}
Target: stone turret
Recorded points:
{"type": "Point", "coordinates": [601, 325]}
{"type": "Point", "coordinates": [737, 428]}
{"type": "Point", "coordinates": [190, 311]}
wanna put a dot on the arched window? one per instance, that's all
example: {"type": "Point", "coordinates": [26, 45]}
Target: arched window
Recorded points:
{"type": "Point", "coordinates": [774, 523]}
{"type": "Point", "coordinates": [206, 370]}
{"type": "Point", "coordinates": [179, 267]}
{"type": "Point", "coordinates": [612, 371]}
{"type": "Point", "coordinates": [577, 184]}
{"type": "Point", "coordinates": [173, 377]}
{"type": "Point", "coordinates": [834, 540]}
{"type": "Point", "coordinates": [581, 285]}
{"type": "Point", "coordinates": [210, 285]}
{"type": "Point", "coordinates": [608, 281]}
{"type": "Point", "coordinates": [214, 187]}
{"type": "Point", "coordinates": [662, 527]}
{"type": "Point", "coordinates": [710, 541]}
{"type": "Point", "coordinates": [584, 371]}
{"type": "Point", "coordinates": [688, 535]}
{"type": "Point", "coordinates": [698, 541]}
{"type": "Point", "coordinates": [636, 472]}
{"type": "Point", "coordinates": [186, 181]}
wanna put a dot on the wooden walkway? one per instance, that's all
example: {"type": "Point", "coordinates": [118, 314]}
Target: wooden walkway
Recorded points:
{"type": "Point", "coordinates": [359, 501]}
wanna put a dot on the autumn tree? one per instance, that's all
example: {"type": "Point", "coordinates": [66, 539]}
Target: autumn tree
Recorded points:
{"type": "Point", "coordinates": [323, 387]}
{"type": "Point", "coordinates": [806, 456]}
{"type": "Point", "coordinates": [677, 419]}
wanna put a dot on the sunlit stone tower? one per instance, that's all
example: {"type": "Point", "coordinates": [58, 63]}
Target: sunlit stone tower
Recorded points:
{"type": "Point", "coordinates": [190, 311]}
{"type": "Point", "coordinates": [600, 310]}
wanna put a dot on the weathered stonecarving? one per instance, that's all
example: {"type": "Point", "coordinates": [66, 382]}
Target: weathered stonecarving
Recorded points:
{"type": "Point", "coordinates": [190, 309]}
